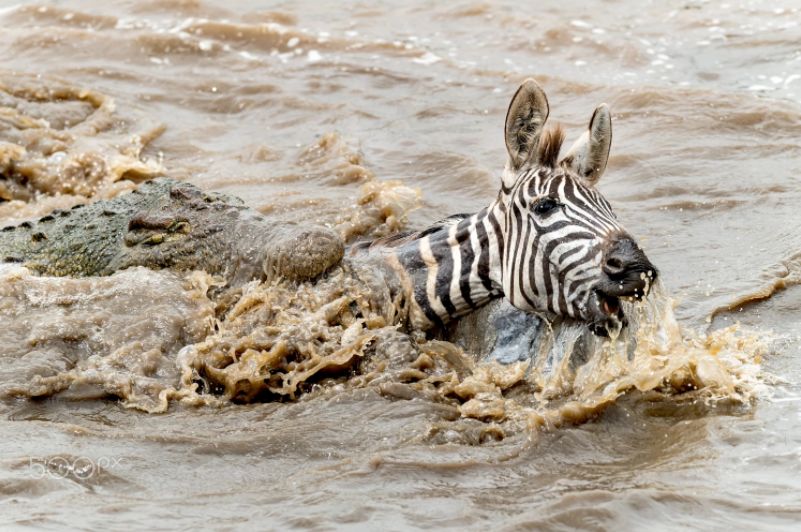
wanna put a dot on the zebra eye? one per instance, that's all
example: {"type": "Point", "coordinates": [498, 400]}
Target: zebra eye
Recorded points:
{"type": "Point", "coordinates": [545, 206]}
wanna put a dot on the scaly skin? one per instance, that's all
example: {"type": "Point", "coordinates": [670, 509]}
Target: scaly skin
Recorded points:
{"type": "Point", "coordinates": [169, 224]}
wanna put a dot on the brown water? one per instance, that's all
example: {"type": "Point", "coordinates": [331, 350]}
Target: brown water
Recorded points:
{"type": "Point", "coordinates": [349, 115]}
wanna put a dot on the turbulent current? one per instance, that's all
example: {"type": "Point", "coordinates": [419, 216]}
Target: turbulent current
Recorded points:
{"type": "Point", "coordinates": [150, 399]}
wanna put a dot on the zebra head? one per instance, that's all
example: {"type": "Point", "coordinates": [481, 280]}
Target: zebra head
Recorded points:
{"type": "Point", "coordinates": [564, 250]}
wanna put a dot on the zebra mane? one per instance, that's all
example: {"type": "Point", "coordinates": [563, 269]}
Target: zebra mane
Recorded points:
{"type": "Point", "coordinates": [399, 239]}
{"type": "Point", "coordinates": [549, 146]}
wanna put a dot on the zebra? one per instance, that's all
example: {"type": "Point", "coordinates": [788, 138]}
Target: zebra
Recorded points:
{"type": "Point", "coordinates": [549, 243]}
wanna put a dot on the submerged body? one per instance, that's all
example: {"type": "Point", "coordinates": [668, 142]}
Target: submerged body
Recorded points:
{"type": "Point", "coordinates": [169, 224]}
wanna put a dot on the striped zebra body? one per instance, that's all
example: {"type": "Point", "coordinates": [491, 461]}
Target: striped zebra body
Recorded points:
{"type": "Point", "coordinates": [453, 267]}
{"type": "Point", "coordinates": [549, 243]}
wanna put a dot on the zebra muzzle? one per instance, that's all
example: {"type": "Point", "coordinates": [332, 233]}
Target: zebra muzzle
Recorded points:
{"type": "Point", "coordinates": [632, 281]}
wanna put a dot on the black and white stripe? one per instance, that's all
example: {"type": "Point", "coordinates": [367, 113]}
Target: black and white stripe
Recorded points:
{"type": "Point", "coordinates": [540, 263]}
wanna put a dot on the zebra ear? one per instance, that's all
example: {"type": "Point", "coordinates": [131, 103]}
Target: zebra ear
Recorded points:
{"type": "Point", "coordinates": [588, 156]}
{"type": "Point", "coordinates": [525, 118]}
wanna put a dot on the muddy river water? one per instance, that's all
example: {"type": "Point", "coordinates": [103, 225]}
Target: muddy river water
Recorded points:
{"type": "Point", "coordinates": [368, 118]}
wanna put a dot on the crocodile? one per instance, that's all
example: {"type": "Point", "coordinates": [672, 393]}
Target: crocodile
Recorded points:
{"type": "Point", "coordinates": [166, 223]}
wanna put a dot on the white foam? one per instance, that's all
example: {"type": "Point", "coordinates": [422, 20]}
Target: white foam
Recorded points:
{"type": "Point", "coordinates": [427, 59]}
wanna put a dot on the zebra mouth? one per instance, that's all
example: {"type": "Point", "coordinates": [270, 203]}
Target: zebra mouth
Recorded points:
{"type": "Point", "coordinates": [610, 305]}
{"type": "Point", "coordinates": [608, 314]}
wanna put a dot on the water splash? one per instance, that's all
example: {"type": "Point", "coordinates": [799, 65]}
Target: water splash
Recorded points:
{"type": "Point", "coordinates": [281, 341]}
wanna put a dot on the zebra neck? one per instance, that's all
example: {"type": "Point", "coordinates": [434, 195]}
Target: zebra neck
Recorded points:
{"type": "Point", "coordinates": [455, 265]}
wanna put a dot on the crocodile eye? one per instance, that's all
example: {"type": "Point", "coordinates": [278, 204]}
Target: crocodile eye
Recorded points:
{"type": "Point", "coordinates": [545, 206]}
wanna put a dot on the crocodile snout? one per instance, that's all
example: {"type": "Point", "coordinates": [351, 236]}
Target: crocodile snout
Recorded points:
{"type": "Point", "coordinates": [303, 253]}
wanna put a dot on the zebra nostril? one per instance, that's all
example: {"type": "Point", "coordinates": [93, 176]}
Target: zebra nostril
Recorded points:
{"type": "Point", "coordinates": [614, 266]}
